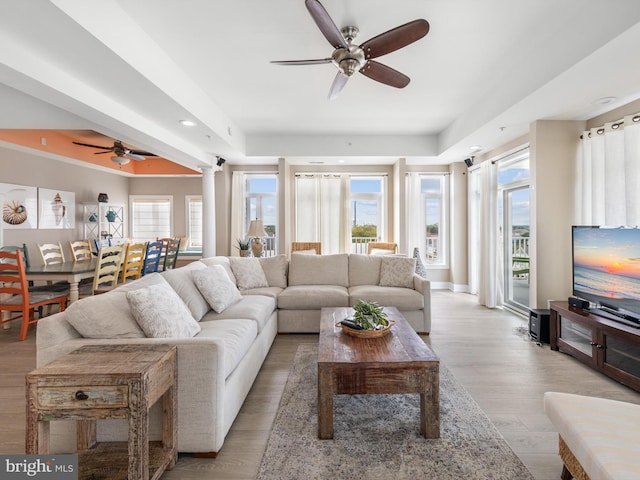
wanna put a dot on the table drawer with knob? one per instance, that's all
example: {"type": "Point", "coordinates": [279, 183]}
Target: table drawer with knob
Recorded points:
{"type": "Point", "coordinates": [112, 396]}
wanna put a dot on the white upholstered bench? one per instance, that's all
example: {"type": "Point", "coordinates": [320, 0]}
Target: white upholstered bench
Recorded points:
{"type": "Point", "coordinates": [599, 438]}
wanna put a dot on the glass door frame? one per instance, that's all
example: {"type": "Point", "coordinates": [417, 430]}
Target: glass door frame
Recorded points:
{"type": "Point", "coordinates": [505, 193]}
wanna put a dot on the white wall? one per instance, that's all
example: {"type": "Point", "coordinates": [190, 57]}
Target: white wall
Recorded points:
{"type": "Point", "coordinates": [23, 168]}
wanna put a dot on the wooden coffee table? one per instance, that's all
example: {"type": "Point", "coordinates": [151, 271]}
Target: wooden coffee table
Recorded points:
{"type": "Point", "coordinates": [399, 362]}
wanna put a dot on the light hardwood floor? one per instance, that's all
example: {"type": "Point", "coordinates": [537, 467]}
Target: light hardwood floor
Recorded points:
{"type": "Point", "coordinates": [504, 371]}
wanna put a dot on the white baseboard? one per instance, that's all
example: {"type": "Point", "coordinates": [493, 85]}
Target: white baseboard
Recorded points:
{"type": "Point", "coordinates": [449, 286]}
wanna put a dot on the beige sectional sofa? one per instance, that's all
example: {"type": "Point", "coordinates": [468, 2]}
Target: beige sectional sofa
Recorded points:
{"type": "Point", "coordinates": [217, 365]}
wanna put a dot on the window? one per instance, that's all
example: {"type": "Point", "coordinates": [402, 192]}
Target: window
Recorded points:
{"type": "Point", "coordinates": [261, 203]}
{"type": "Point", "coordinates": [194, 221]}
{"type": "Point", "coordinates": [428, 216]}
{"type": "Point", "coordinates": [367, 211]}
{"type": "Point", "coordinates": [151, 217]}
{"type": "Point", "coordinates": [343, 211]}
{"type": "Point", "coordinates": [432, 190]}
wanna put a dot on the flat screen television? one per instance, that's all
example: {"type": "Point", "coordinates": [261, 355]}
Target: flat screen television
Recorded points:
{"type": "Point", "coordinates": [606, 269]}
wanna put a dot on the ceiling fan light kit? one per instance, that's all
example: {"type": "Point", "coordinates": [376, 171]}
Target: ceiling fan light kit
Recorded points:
{"type": "Point", "coordinates": [350, 58]}
{"type": "Point", "coordinates": [120, 160]}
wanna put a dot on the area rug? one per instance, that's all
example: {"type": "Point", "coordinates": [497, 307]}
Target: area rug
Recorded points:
{"type": "Point", "coordinates": [378, 437]}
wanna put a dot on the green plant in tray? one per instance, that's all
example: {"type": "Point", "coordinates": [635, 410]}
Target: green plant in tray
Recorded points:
{"type": "Point", "coordinates": [370, 315]}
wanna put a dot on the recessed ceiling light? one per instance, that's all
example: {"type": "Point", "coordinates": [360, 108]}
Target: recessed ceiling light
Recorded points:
{"type": "Point", "coordinates": [475, 148]}
{"type": "Point", "coordinates": [340, 161]}
{"type": "Point", "coordinates": [604, 100]}
{"type": "Point", "coordinates": [188, 123]}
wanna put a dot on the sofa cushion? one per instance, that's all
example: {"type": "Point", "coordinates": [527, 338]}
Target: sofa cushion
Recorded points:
{"type": "Point", "coordinates": [313, 297]}
{"type": "Point", "coordinates": [402, 298]}
{"type": "Point", "coordinates": [248, 273]}
{"type": "Point", "coordinates": [103, 316]}
{"type": "Point", "coordinates": [146, 281]}
{"type": "Point", "coordinates": [364, 269]}
{"type": "Point", "coordinates": [319, 269]}
{"type": "Point", "coordinates": [161, 313]}
{"type": "Point", "coordinates": [272, 292]}
{"type": "Point", "coordinates": [237, 337]}
{"type": "Point", "coordinates": [252, 307]}
{"type": "Point", "coordinates": [216, 287]}
{"type": "Point", "coordinates": [275, 269]}
{"type": "Point", "coordinates": [181, 281]}
{"type": "Point", "coordinates": [397, 271]}
{"type": "Point", "coordinates": [220, 260]}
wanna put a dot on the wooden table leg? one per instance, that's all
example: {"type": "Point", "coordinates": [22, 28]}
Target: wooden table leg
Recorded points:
{"type": "Point", "coordinates": [430, 405]}
{"type": "Point", "coordinates": [325, 402]}
{"type": "Point", "coordinates": [86, 434]}
{"type": "Point", "coordinates": [170, 425]}
{"type": "Point", "coordinates": [138, 433]}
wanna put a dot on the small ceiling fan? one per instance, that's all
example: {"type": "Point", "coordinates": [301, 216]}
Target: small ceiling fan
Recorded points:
{"type": "Point", "coordinates": [123, 155]}
{"type": "Point", "coordinates": [351, 58]}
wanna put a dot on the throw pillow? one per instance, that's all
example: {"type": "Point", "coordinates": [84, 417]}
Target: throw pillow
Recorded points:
{"type": "Point", "coordinates": [248, 273]}
{"type": "Point", "coordinates": [161, 313]}
{"type": "Point", "coordinates": [103, 316]}
{"type": "Point", "coordinates": [216, 287]}
{"type": "Point", "coordinates": [275, 269]}
{"type": "Point", "coordinates": [397, 271]}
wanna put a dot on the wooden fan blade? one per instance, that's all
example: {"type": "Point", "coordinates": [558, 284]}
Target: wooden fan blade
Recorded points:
{"type": "Point", "coordinates": [325, 24]}
{"type": "Point", "coordinates": [383, 74]}
{"type": "Point", "coordinates": [338, 84]}
{"type": "Point", "coordinates": [395, 38]}
{"type": "Point", "coordinates": [92, 146]}
{"type": "Point", "coordinates": [302, 62]}
{"type": "Point", "coordinates": [140, 153]}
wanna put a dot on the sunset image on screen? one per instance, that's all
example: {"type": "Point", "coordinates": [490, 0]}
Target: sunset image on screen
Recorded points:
{"type": "Point", "coordinates": [606, 262]}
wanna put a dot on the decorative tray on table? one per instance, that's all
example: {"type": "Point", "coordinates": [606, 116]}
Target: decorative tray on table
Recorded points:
{"type": "Point", "coordinates": [362, 333]}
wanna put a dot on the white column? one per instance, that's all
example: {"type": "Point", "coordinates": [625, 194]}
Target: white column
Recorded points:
{"type": "Point", "coordinates": [208, 213]}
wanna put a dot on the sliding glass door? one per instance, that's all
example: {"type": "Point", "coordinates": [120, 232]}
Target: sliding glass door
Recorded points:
{"type": "Point", "coordinates": [516, 247]}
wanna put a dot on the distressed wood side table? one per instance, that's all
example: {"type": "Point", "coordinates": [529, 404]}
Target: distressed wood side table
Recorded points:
{"type": "Point", "coordinates": [103, 382]}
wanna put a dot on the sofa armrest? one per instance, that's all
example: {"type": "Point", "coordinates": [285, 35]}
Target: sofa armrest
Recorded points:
{"type": "Point", "coordinates": [422, 285]}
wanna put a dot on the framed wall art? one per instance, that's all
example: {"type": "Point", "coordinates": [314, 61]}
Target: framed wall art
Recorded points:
{"type": "Point", "coordinates": [19, 206]}
{"type": "Point", "coordinates": [57, 209]}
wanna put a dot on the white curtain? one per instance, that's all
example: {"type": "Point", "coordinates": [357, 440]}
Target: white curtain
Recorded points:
{"type": "Point", "coordinates": [238, 183]}
{"type": "Point", "coordinates": [414, 215]}
{"type": "Point", "coordinates": [322, 211]}
{"type": "Point", "coordinates": [608, 175]}
{"type": "Point", "coordinates": [490, 269]}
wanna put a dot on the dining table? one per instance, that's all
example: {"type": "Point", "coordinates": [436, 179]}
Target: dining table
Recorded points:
{"type": "Point", "coordinates": [72, 272]}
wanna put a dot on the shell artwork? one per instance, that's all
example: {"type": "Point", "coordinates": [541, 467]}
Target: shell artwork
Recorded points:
{"type": "Point", "coordinates": [58, 208]}
{"type": "Point", "coordinates": [14, 213]}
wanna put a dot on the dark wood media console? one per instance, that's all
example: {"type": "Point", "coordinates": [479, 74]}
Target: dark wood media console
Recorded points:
{"type": "Point", "coordinates": [606, 345]}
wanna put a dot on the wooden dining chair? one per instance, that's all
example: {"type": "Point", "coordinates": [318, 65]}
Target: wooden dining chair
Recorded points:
{"type": "Point", "coordinates": [51, 253]}
{"type": "Point", "coordinates": [384, 248]}
{"type": "Point", "coordinates": [97, 243]}
{"type": "Point", "coordinates": [15, 295]}
{"type": "Point", "coordinates": [81, 250]}
{"type": "Point", "coordinates": [306, 247]}
{"type": "Point", "coordinates": [107, 267]}
{"type": "Point", "coordinates": [133, 261]}
{"type": "Point", "coordinates": [152, 257]}
{"type": "Point", "coordinates": [171, 253]}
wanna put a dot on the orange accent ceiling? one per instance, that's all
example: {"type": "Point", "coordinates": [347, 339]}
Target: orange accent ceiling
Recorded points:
{"type": "Point", "coordinates": [59, 142]}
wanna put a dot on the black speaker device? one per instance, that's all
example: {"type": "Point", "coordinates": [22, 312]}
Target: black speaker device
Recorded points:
{"type": "Point", "coordinates": [578, 303]}
{"type": "Point", "coordinates": [539, 325]}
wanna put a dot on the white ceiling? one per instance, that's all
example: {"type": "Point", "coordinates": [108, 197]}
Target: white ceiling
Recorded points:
{"type": "Point", "coordinates": [131, 69]}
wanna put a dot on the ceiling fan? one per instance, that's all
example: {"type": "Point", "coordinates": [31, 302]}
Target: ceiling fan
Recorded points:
{"type": "Point", "coordinates": [123, 155]}
{"type": "Point", "coordinates": [351, 58]}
